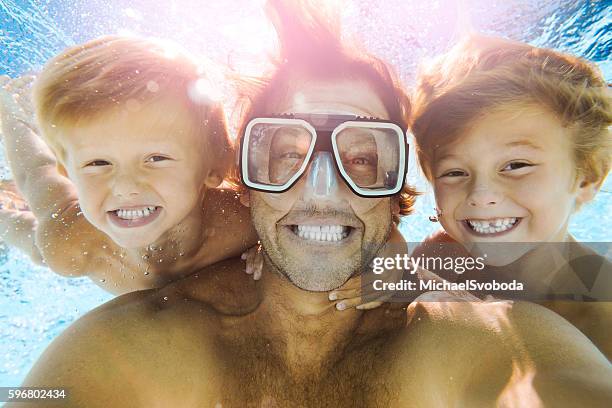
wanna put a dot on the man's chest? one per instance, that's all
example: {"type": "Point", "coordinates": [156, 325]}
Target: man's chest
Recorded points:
{"type": "Point", "coordinates": [253, 373]}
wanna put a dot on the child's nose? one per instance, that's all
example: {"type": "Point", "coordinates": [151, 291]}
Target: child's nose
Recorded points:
{"type": "Point", "coordinates": [484, 196]}
{"type": "Point", "coordinates": [126, 186]}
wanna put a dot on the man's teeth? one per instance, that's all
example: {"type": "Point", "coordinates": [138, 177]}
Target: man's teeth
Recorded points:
{"type": "Point", "coordinates": [133, 214]}
{"type": "Point", "coordinates": [322, 232]}
{"type": "Point", "coordinates": [492, 226]}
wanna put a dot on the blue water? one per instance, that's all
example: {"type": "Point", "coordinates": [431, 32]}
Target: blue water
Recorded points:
{"type": "Point", "coordinates": [36, 305]}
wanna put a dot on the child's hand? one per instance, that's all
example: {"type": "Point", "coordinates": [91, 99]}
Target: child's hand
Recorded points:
{"type": "Point", "coordinates": [10, 198]}
{"type": "Point", "coordinates": [17, 223]}
{"type": "Point", "coordinates": [254, 261]}
{"type": "Point", "coordinates": [15, 99]}
{"type": "Point", "coordinates": [351, 293]}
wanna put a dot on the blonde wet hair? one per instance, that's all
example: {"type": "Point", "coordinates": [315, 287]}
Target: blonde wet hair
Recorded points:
{"type": "Point", "coordinates": [88, 81]}
{"type": "Point", "coordinates": [484, 74]}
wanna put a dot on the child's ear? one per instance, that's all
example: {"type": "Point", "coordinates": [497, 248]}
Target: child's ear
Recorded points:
{"type": "Point", "coordinates": [587, 190]}
{"type": "Point", "coordinates": [245, 198]}
{"type": "Point", "coordinates": [61, 169]}
{"type": "Point", "coordinates": [213, 179]}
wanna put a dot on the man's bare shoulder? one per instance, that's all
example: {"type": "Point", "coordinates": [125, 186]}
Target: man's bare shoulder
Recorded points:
{"type": "Point", "coordinates": [143, 344]}
{"type": "Point", "coordinates": [594, 319]}
{"type": "Point", "coordinates": [220, 289]}
{"type": "Point", "coordinates": [479, 351]}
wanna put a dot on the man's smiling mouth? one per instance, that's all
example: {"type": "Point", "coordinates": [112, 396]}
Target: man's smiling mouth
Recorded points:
{"type": "Point", "coordinates": [330, 233]}
{"type": "Point", "coordinates": [492, 226]}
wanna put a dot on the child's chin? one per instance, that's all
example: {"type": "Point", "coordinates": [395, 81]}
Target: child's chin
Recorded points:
{"type": "Point", "coordinates": [500, 254]}
{"type": "Point", "coordinates": [136, 242]}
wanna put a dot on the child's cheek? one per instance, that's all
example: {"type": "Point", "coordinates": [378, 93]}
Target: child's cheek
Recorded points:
{"type": "Point", "coordinates": [91, 201]}
{"type": "Point", "coordinates": [448, 198]}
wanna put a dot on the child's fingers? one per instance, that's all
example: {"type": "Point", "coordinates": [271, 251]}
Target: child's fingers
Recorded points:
{"type": "Point", "coordinates": [258, 265]}
{"type": "Point", "coordinates": [4, 80]}
{"type": "Point", "coordinates": [245, 257]}
{"type": "Point", "coordinates": [357, 303]}
{"type": "Point", "coordinates": [356, 300]}
{"type": "Point", "coordinates": [341, 294]}
{"type": "Point", "coordinates": [348, 303]}
{"type": "Point", "coordinates": [369, 305]}
{"type": "Point", "coordinates": [254, 261]}
{"type": "Point", "coordinates": [8, 105]}
{"type": "Point", "coordinates": [21, 89]}
{"type": "Point", "coordinates": [22, 82]}
{"type": "Point", "coordinates": [351, 285]}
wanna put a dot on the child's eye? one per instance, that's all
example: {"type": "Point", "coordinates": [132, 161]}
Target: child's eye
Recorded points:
{"type": "Point", "coordinates": [454, 173]}
{"type": "Point", "coordinates": [156, 158]}
{"type": "Point", "coordinates": [97, 163]}
{"type": "Point", "coordinates": [516, 166]}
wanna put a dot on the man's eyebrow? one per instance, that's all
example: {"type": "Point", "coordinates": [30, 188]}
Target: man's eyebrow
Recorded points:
{"type": "Point", "coordinates": [445, 156]}
{"type": "Point", "coordinates": [527, 143]}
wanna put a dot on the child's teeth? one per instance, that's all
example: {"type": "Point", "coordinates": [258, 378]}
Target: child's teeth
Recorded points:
{"type": "Point", "coordinates": [134, 214]}
{"type": "Point", "coordinates": [322, 232]}
{"type": "Point", "coordinates": [492, 226]}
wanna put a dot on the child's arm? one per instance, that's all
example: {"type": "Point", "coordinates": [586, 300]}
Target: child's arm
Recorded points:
{"type": "Point", "coordinates": [17, 223]}
{"type": "Point", "coordinates": [70, 245]}
{"type": "Point", "coordinates": [18, 229]}
{"type": "Point", "coordinates": [63, 236]}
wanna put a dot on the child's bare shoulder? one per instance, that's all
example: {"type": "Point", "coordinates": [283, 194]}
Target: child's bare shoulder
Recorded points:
{"type": "Point", "coordinates": [228, 230]}
{"type": "Point", "coordinates": [224, 201]}
{"type": "Point", "coordinates": [439, 244]}
{"type": "Point", "coordinates": [586, 272]}
{"type": "Point", "coordinates": [68, 242]}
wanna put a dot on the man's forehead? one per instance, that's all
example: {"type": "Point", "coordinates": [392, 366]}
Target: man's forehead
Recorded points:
{"type": "Point", "coordinates": [342, 97]}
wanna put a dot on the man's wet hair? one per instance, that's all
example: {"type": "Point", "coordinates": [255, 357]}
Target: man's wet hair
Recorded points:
{"type": "Point", "coordinates": [311, 48]}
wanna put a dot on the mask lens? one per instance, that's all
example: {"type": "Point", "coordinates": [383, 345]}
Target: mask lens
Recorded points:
{"type": "Point", "coordinates": [370, 157]}
{"type": "Point", "coordinates": [276, 152]}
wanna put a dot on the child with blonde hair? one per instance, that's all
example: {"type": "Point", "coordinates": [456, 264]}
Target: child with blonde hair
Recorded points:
{"type": "Point", "coordinates": [128, 193]}
{"type": "Point", "coordinates": [515, 139]}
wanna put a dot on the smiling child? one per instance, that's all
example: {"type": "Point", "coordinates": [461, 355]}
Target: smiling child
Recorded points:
{"type": "Point", "coordinates": [515, 139]}
{"type": "Point", "coordinates": [127, 196]}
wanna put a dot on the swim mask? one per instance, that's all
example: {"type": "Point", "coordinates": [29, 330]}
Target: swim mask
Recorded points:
{"type": "Point", "coordinates": [369, 154]}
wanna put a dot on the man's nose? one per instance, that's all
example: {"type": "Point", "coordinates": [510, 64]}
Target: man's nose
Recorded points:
{"type": "Point", "coordinates": [322, 178]}
{"type": "Point", "coordinates": [484, 195]}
